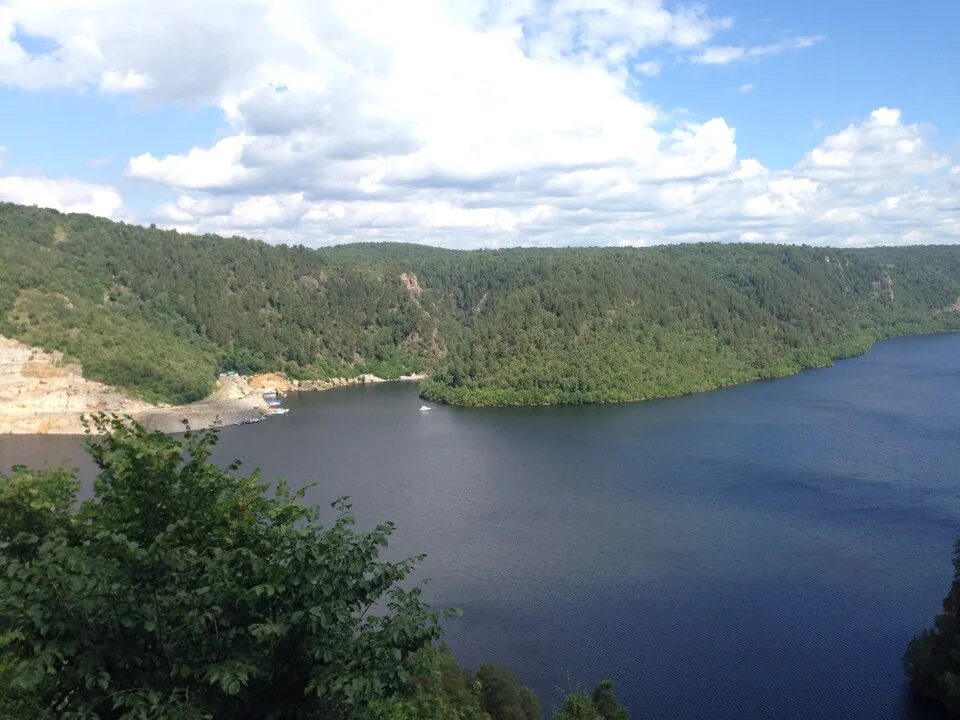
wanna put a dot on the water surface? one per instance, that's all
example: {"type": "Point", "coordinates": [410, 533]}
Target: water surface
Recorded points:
{"type": "Point", "coordinates": [763, 551]}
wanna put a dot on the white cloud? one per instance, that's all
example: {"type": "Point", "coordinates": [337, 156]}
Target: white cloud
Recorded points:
{"type": "Point", "coordinates": [468, 123]}
{"type": "Point", "coordinates": [76, 57]}
{"type": "Point", "coordinates": [881, 150]}
{"type": "Point", "coordinates": [65, 194]}
{"type": "Point", "coordinates": [725, 54]}
{"type": "Point", "coordinates": [607, 30]}
{"type": "Point", "coordinates": [649, 68]}
{"type": "Point", "coordinates": [217, 167]}
{"type": "Point", "coordinates": [112, 81]}
{"type": "Point", "coordinates": [745, 89]}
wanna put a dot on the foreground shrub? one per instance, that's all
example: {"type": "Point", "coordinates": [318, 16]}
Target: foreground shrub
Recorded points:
{"type": "Point", "coordinates": [181, 590]}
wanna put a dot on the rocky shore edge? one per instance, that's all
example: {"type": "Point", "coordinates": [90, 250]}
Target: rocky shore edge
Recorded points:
{"type": "Point", "coordinates": [40, 394]}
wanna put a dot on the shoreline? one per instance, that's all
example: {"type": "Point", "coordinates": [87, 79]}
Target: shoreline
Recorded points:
{"type": "Point", "coordinates": [711, 387]}
{"type": "Point", "coordinates": [44, 397]}
{"type": "Point", "coordinates": [225, 408]}
{"type": "Point", "coordinates": [50, 398]}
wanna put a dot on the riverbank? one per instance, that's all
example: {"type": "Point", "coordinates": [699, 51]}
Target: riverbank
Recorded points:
{"type": "Point", "coordinates": [41, 394]}
{"type": "Point", "coordinates": [280, 383]}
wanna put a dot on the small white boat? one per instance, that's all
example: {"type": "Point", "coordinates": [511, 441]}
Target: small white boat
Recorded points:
{"type": "Point", "coordinates": [424, 408]}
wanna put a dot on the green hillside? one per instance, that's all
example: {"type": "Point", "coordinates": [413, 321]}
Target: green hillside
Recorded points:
{"type": "Point", "coordinates": [161, 313]}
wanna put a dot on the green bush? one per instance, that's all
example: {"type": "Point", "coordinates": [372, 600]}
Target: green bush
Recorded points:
{"type": "Point", "coordinates": [181, 590]}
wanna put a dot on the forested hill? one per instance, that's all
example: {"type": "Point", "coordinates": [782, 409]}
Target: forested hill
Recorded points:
{"type": "Point", "coordinates": [161, 313]}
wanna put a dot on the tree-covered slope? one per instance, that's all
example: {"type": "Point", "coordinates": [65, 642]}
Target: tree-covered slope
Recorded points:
{"type": "Point", "coordinates": [612, 325]}
{"type": "Point", "coordinates": [161, 312]}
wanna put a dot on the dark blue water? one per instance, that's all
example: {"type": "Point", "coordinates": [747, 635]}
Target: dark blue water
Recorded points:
{"type": "Point", "coordinates": [764, 551]}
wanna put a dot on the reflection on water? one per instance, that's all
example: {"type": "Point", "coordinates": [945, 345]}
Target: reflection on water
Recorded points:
{"type": "Point", "coordinates": [757, 552]}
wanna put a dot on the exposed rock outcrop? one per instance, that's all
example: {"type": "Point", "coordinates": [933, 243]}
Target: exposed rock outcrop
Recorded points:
{"type": "Point", "coordinates": [41, 394]}
{"type": "Point", "coordinates": [310, 385]}
{"type": "Point", "coordinates": [266, 382]}
{"type": "Point", "coordinates": [412, 285]}
{"type": "Point", "coordinates": [883, 287]}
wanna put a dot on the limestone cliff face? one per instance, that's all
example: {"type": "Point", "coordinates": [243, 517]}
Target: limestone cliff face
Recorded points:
{"type": "Point", "coordinates": [39, 393]}
{"type": "Point", "coordinates": [412, 285]}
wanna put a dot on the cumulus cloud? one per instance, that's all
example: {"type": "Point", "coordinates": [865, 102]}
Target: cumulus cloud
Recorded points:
{"type": "Point", "coordinates": [725, 54]}
{"type": "Point", "coordinates": [202, 168]}
{"type": "Point", "coordinates": [65, 194]}
{"type": "Point", "coordinates": [474, 123]}
{"type": "Point", "coordinates": [880, 149]}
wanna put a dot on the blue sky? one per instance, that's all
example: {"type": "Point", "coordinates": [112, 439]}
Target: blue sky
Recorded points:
{"type": "Point", "coordinates": [490, 123]}
{"type": "Point", "coordinates": [85, 135]}
{"type": "Point", "coordinates": [875, 53]}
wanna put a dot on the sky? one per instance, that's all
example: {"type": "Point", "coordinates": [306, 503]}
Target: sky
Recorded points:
{"type": "Point", "coordinates": [490, 123]}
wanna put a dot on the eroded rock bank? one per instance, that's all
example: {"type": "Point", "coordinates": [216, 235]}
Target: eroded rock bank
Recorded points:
{"type": "Point", "coordinates": [41, 394]}
{"type": "Point", "coordinates": [277, 382]}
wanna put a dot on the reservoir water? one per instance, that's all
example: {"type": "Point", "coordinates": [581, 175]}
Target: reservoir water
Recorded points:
{"type": "Point", "coordinates": [763, 551]}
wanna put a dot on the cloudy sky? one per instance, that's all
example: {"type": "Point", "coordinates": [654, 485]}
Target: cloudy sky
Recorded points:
{"type": "Point", "coordinates": [490, 123]}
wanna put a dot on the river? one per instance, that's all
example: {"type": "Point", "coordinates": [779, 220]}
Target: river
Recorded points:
{"type": "Point", "coordinates": [762, 551]}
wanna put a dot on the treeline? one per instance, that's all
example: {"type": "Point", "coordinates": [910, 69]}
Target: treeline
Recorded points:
{"type": "Point", "coordinates": [610, 325]}
{"type": "Point", "coordinates": [184, 591]}
{"type": "Point", "coordinates": [442, 690]}
{"type": "Point", "coordinates": [161, 312]}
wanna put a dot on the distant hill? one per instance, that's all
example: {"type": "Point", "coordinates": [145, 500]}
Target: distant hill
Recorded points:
{"type": "Point", "coordinates": [161, 313]}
